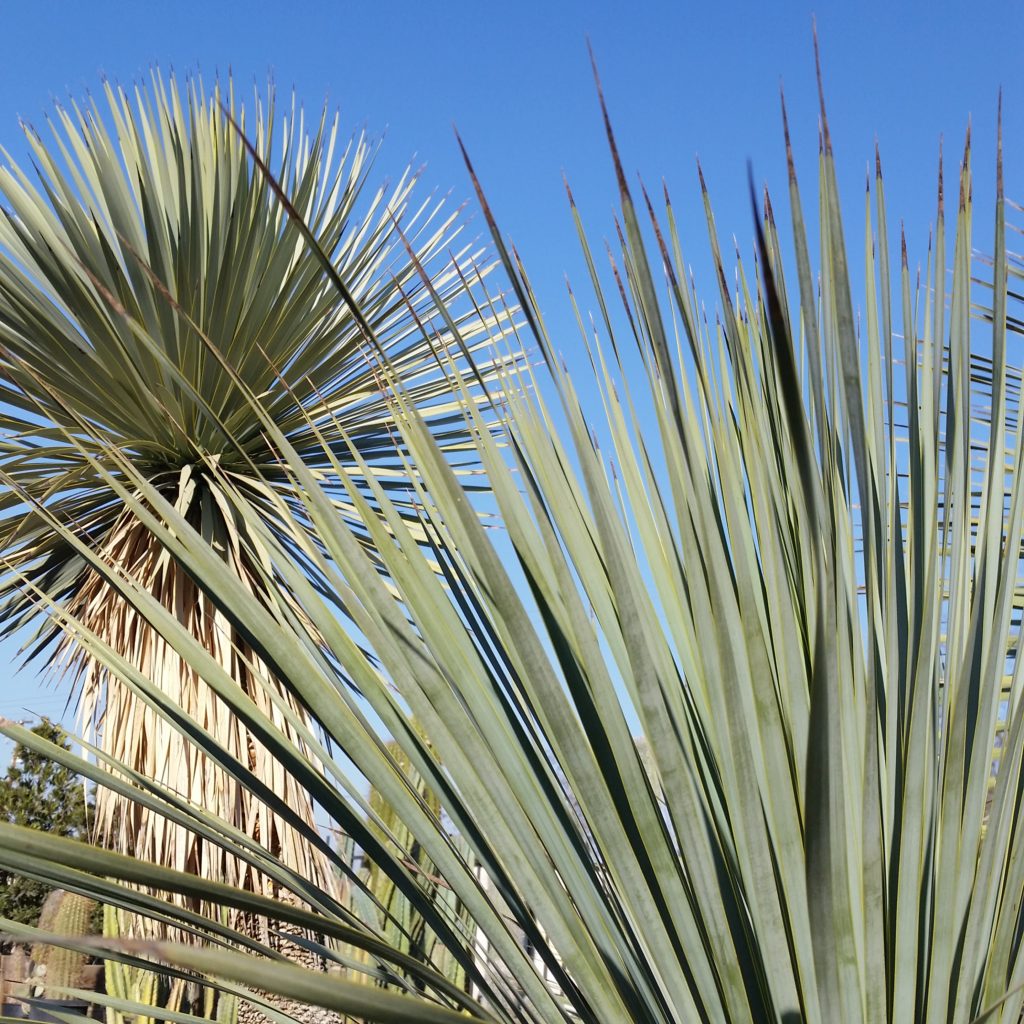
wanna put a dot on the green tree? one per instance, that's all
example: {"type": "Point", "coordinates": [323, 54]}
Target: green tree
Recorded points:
{"type": "Point", "coordinates": [41, 794]}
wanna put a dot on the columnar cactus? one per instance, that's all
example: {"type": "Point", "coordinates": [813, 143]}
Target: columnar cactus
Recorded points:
{"type": "Point", "coordinates": [405, 926]}
{"type": "Point", "coordinates": [67, 914]}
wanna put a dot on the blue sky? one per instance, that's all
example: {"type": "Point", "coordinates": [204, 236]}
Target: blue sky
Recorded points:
{"type": "Point", "coordinates": [681, 79]}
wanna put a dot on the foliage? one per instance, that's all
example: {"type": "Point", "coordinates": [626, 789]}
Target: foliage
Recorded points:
{"type": "Point", "coordinates": [39, 793]}
{"type": "Point", "coordinates": [795, 570]}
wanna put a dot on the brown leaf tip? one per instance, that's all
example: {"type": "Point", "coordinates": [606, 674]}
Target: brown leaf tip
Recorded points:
{"type": "Point", "coordinates": [646, 197]}
{"type": "Point", "coordinates": [821, 88]}
{"type": "Point", "coordinates": [619, 174]}
{"type": "Point", "coordinates": [790, 165]}
{"type": "Point", "coordinates": [700, 176]}
{"type": "Point", "coordinates": [568, 191]}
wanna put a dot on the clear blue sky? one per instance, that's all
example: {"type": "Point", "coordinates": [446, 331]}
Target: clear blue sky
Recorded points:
{"type": "Point", "coordinates": [681, 79]}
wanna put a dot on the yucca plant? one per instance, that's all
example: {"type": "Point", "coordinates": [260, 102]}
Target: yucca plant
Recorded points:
{"type": "Point", "coordinates": [719, 737]}
{"type": "Point", "coordinates": [147, 228]}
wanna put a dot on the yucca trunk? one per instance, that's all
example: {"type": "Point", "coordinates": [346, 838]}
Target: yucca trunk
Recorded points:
{"type": "Point", "coordinates": [131, 733]}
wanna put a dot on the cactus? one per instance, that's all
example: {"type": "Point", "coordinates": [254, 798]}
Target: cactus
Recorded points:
{"type": "Point", "coordinates": [137, 985]}
{"type": "Point", "coordinates": [126, 982]}
{"type": "Point", "coordinates": [70, 915]}
{"type": "Point", "coordinates": [405, 927]}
